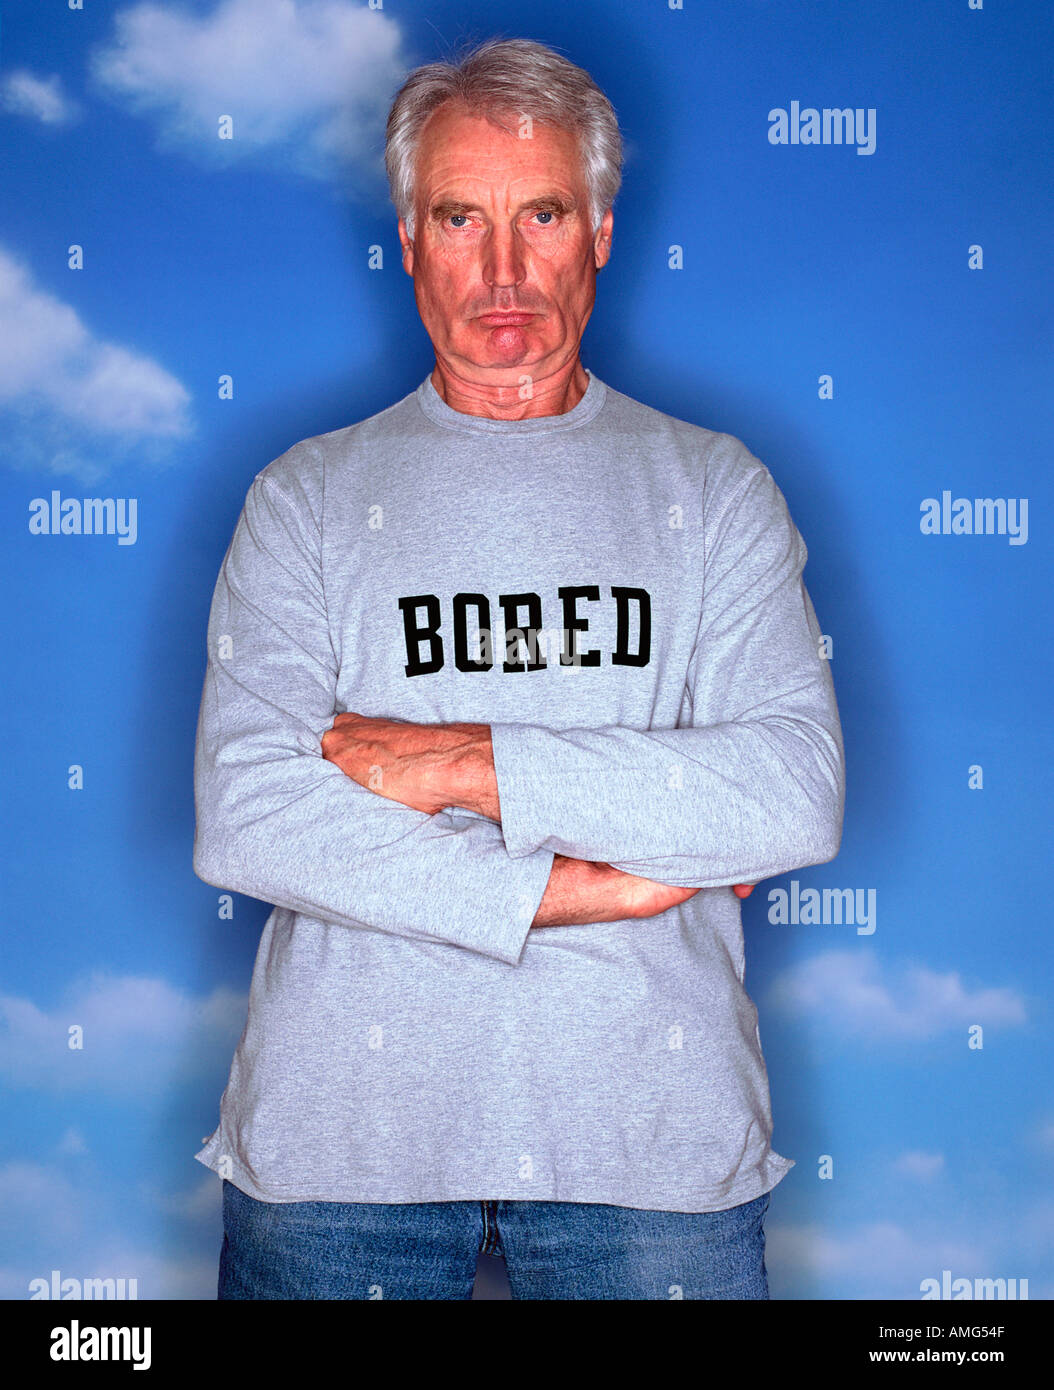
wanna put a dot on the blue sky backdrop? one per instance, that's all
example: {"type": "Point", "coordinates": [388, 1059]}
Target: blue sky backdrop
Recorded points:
{"type": "Point", "coordinates": [249, 257]}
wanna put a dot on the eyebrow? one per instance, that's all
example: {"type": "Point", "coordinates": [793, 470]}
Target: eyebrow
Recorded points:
{"type": "Point", "coordinates": [546, 202]}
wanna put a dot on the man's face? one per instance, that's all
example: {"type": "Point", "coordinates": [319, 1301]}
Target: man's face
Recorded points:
{"type": "Point", "coordinates": [502, 224]}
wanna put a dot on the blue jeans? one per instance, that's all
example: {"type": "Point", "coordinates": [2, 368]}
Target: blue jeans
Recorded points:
{"type": "Point", "coordinates": [427, 1250]}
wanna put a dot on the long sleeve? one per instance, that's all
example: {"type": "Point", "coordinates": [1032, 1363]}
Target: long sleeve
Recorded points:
{"type": "Point", "coordinates": [275, 820]}
{"type": "Point", "coordinates": [753, 786]}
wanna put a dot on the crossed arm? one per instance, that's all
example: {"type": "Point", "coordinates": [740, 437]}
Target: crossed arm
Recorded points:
{"type": "Point", "coordinates": [431, 766]}
{"type": "Point", "coordinates": [520, 824]}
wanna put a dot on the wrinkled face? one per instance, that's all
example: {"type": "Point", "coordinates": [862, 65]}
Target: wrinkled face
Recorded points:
{"type": "Point", "coordinates": [504, 262]}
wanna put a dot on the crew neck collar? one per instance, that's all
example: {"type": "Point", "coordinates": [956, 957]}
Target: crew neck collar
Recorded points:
{"type": "Point", "coordinates": [436, 408]}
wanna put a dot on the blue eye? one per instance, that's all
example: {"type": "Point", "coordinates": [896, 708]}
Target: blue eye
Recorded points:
{"type": "Point", "coordinates": [545, 214]}
{"type": "Point", "coordinates": [455, 215]}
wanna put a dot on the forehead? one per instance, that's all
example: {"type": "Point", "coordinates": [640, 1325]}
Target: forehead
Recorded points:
{"type": "Point", "coordinates": [461, 147]}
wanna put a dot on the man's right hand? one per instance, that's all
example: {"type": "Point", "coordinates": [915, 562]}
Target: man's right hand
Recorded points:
{"type": "Point", "coordinates": [580, 892]}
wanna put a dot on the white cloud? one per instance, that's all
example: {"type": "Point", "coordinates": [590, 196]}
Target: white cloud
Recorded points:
{"type": "Point", "coordinates": [853, 993]}
{"type": "Point", "coordinates": [67, 386]}
{"type": "Point", "coordinates": [90, 1228]}
{"type": "Point", "coordinates": [72, 1142]}
{"type": "Point", "coordinates": [917, 1164]}
{"type": "Point", "coordinates": [309, 82]}
{"type": "Point", "coordinates": [141, 1036]}
{"type": "Point", "coordinates": [877, 1260]}
{"type": "Point", "coordinates": [77, 1256]}
{"type": "Point", "coordinates": [38, 1202]}
{"type": "Point", "coordinates": [158, 1276]}
{"type": "Point", "coordinates": [13, 1284]}
{"type": "Point", "coordinates": [45, 350]}
{"type": "Point", "coordinates": [42, 98]}
{"type": "Point", "coordinates": [201, 1203]}
{"type": "Point", "coordinates": [165, 1276]}
{"type": "Point", "coordinates": [1037, 1223]}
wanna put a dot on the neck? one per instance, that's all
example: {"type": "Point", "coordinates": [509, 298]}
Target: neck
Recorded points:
{"type": "Point", "coordinates": [554, 394]}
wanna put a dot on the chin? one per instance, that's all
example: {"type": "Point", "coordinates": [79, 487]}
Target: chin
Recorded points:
{"type": "Point", "coordinates": [497, 360]}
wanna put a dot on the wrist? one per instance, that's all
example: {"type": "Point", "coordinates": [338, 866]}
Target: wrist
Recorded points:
{"type": "Point", "coordinates": [466, 771]}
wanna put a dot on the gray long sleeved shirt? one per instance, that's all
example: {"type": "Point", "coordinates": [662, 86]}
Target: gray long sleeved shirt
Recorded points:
{"type": "Point", "coordinates": [618, 594]}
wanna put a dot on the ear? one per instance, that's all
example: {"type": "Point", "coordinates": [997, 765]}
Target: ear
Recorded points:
{"type": "Point", "coordinates": [408, 248]}
{"type": "Point", "coordinates": [602, 241]}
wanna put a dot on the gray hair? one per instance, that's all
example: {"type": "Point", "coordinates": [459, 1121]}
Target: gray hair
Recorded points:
{"type": "Point", "coordinates": [501, 75]}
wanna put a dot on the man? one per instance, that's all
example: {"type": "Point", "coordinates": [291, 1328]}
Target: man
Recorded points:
{"type": "Point", "coordinates": [508, 687]}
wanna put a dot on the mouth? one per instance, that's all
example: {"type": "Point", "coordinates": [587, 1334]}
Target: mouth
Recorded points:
{"type": "Point", "coordinates": [503, 320]}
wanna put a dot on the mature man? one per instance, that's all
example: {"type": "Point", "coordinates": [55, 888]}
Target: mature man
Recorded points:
{"type": "Point", "coordinates": [508, 687]}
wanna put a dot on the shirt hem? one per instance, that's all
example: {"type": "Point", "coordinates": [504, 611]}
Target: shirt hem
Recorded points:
{"type": "Point", "coordinates": [761, 1179]}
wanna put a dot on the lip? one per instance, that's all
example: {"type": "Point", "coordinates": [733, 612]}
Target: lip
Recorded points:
{"type": "Point", "coordinates": [500, 320]}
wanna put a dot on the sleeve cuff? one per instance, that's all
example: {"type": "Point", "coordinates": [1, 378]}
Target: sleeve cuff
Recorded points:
{"type": "Point", "coordinates": [515, 749]}
{"type": "Point", "coordinates": [508, 905]}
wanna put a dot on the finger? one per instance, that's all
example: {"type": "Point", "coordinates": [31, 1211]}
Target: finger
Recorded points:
{"type": "Point", "coordinates": [743, 890]}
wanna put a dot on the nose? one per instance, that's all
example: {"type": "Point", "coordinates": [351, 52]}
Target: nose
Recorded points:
{"type": "Point", "coordinates": [504, 264]}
